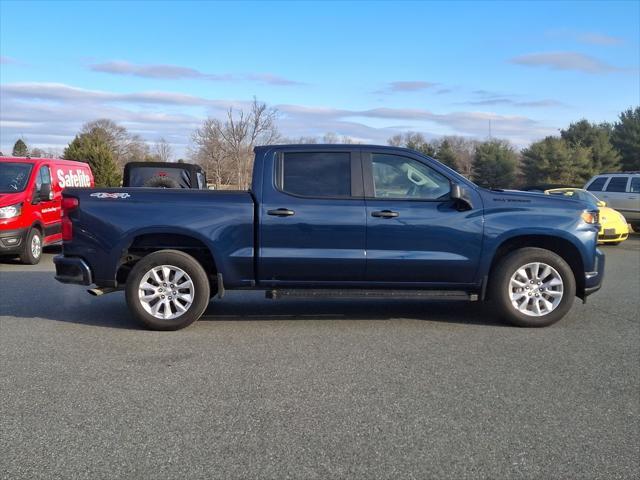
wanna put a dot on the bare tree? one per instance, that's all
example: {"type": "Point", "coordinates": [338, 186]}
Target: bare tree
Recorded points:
{"type": "Point", "coordinates": [163, 151]}
{"type": "Point", "coordinates": [465, 150]}
{"type": "Point", "coordinates": [229, 144]}
{"type": "Point", "coordinates": [125, 146]}
{"type": "Point", "coordinates": [208, 152]}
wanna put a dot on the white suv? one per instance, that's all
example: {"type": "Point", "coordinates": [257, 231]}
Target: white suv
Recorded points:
{"type": "Point", "coordinates": [621, 191]}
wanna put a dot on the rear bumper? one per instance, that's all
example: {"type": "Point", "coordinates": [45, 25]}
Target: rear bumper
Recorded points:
{"type": "Point", "coordinates": [11, 241]}
{"type": "Point", "coordinates": [72, 270]}
{"type": "Point", "coordinates": [593, 280]}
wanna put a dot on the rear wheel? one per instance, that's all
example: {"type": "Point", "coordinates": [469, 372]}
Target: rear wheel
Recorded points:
{"type": "Point", "coordinates": [32, 248]}
{"type": "Point", "coordinates": [532, 287]}
{"type": "Point", "coordinates": [167, 290]}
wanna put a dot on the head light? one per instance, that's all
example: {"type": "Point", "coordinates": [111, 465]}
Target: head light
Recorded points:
{"type": "Point", "coordinates": [11, 211]}
{"type": "Point", "coordinates": [589, 216]}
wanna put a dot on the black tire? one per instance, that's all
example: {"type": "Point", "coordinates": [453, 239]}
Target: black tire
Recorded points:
{"type": "Point", "coordinates": [161, 182]}
{"type": "Point", "coordinates": [182, 261]}
{"type": "Point", "coordinates": [499, 290]}
{"type": "Point", "coordinates": [27, 255]}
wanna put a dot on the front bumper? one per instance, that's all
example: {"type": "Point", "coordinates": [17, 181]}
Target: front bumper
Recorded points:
{"type": "Point", "coordinates": [593, 280]}
{"type": "Point", "coordinates": [11, 241]}
{"type": "Point", "coordinates": [72, 270]}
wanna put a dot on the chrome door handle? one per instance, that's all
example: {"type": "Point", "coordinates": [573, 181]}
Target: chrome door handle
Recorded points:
{"type": "Point", "coordinates": [281, 212]}
{"type": "Point", "coordinates": [385, 214]}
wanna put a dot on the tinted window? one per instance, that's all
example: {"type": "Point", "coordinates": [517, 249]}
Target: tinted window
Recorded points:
{"type": "Point", "coordinates": [617, 184]}
{"type": "Point", "coordinates": [316, 174]}
{"type": "Point", "coordinates": [635, 185]}
{"type": "Point", "coordinates": [597, 184]}
{"type": "Point", "coordinates": [404, 178]}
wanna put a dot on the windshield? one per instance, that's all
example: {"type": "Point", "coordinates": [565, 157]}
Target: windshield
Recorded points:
{"type": "Point", "coordinates": [577, 194]}
{"type": "Point", "coordinates": [14, 176]}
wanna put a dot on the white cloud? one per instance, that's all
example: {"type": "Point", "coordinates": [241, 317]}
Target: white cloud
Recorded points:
{"type": "Point", "coordinates": [176, 72]}
{"type": "Point", "coordinates": [52, 113]}
{"type": "Point", "coordinates": [566, 61]}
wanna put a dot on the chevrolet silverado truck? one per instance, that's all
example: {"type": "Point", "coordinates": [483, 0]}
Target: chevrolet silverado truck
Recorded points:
{"type": "Point", "coordinates": [333, 221]}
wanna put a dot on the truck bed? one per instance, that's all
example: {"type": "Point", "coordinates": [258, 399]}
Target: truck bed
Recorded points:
{"type": "Point", "coordinates": [110, 220]}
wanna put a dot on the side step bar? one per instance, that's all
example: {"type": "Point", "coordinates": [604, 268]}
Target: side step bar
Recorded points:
{"type": "Point", "coordinates": [379, 293]}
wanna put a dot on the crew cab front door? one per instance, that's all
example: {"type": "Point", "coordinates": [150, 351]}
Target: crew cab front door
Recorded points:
{"type": "Point", "coordinates": [312, 218]}
{"type": "Point", "coordinates": [415, 232]}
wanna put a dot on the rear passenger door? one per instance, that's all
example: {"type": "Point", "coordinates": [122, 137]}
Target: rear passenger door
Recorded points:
{"type": "Point", "coordinates": [312, 218]}
{"type": "Point", "coordinates": [615, 192]}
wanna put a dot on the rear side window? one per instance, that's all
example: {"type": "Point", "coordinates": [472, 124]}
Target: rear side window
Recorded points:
{"type": "Point", "coordinates": [635, 185]}
{"type": "Point", "coordinates": [597, 184]}
{"type": "Point", "coordinates": [617, 184]}
{"type": "Point", "coordinates": [316, 174]}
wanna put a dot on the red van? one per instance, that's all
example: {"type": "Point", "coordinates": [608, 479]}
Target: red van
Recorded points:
{"type": "Point", "coordinates": [30, 202]}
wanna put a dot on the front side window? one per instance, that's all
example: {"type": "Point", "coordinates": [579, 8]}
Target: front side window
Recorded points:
{"type": "Point", "coordinates": [316, 174]}
{"type": "Point", "coordinates": [617, 184]}
{"type": "Point", "coordinates": [597, 184]}
{"type": "Point", "coordinates": [43, 177]}
{"type": "Point", "coordinates": [403, 178]}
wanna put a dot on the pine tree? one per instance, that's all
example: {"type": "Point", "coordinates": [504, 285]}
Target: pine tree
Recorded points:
{"type": "Point", "coordinates": [603, 156]}
{"type": "Point", "coordinates": [553, 160]}
{"type": "Point", "coordinates": [446, 154]}
{"type": "Point", "coordinates": [626, 138]}
{"type": "Point", "coordinates": [20, 149]}
{"type": "Point", "coordinates": [97, 153]}
{"type": "Point", "coordinates": [495, 164]}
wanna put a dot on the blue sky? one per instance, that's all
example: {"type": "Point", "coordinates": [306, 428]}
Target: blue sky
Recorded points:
{"type": "Point", "coordinates": [363, 69]}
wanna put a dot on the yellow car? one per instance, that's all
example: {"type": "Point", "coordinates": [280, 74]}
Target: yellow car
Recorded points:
{"type": "Point", "coordinates": [613, 226]}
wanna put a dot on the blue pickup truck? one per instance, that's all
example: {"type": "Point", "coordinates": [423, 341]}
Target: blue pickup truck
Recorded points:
{"type": "Point", "coordinates": [333, 221]}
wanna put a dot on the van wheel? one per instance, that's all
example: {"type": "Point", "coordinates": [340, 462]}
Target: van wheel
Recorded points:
{"type": "Point", "coordinates": [532, 287]}
{"type": "Point", "coordinates": [167, 290]}
{"type": "Point", "coordinates": [32, 248]}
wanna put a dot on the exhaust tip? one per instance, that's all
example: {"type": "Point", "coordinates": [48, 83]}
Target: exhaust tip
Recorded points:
{"type": "Point", "coordinates": [96, 292]}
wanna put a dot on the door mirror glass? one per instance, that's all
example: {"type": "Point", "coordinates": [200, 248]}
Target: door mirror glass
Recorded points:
{"type": "Point", "coordinates": [45, 192]}
{"type": "Point", "coordinates": [461, 196]}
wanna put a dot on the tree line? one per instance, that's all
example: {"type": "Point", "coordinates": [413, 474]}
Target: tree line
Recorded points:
{"type": "Point", "coordinates": [224, 148]}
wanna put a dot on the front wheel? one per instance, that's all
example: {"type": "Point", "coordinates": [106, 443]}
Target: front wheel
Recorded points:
{"type": "Point", "coordinates": [32, 248]}
{"type": "Point", "coordinates": [532, 287]}
{"type": "Point", "coordinates": [167, 290]}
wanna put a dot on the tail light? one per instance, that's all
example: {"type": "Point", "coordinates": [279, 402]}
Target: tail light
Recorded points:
{"type": "Point", "coordinates": [68, 204]}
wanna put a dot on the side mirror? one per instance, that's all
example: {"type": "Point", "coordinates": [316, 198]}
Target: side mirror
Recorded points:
{"type": "Point", "coordinates": [460, 196]}
{"type": "Point", "coordinates": [45, 192]}
{"type": "Point", "coordinates": [602, 204]}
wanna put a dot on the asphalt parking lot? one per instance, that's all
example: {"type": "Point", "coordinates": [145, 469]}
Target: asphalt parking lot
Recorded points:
{"type": "Point", "coordinates": [332, 389]}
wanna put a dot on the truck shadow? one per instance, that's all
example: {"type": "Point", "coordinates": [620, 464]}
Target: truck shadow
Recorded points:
{"type": "Point", "coordinates": [37, 295]}
{"type": "Point", "coordinates": [252, 306]}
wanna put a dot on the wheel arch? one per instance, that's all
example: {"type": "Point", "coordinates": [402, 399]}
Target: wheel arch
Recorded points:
{"type": "Point", "coordinates": [568, 251]}
{"type": "Point", "coordinates": [142, 243]}
{"type": "Point", "coordinates": [38, 225]}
